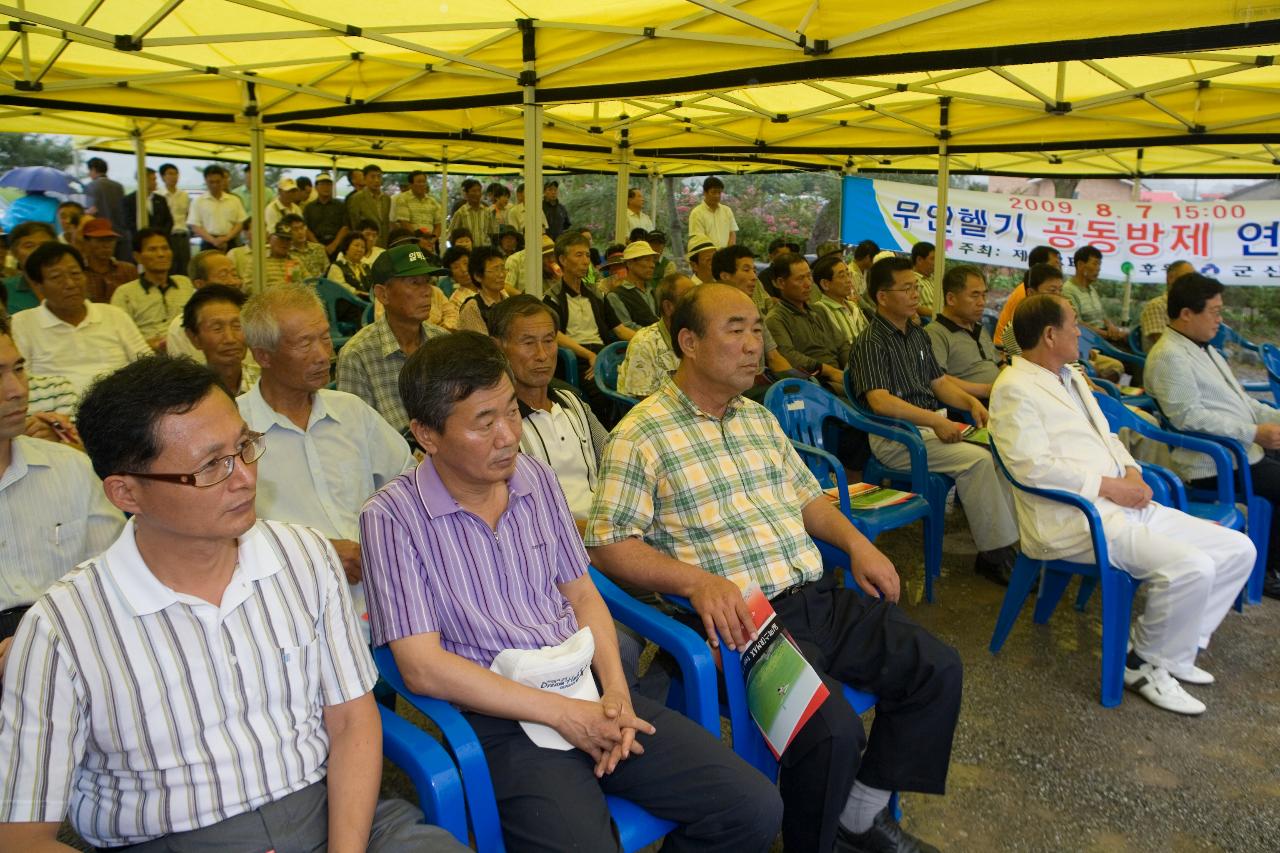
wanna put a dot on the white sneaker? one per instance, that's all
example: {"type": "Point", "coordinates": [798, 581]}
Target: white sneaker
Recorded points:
{"type": "Point", "coordinates": [1158, 687]}
{"type": "Point", "coordinates": [1193, 675]}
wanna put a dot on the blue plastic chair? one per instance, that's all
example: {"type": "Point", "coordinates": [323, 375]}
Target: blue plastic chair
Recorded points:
{"type": "Point", "coordinates": [803, 409]}
{"type": "Point", "coordinates": [1135, 340]}
{"type": "Point", "coordinates": [1117, 589]}
{"type": "Point", "coordinates": [1271, 360]}
{"type": "Point", "coordinates": [1218, 507]}
{"type": "Point", "coordinates": [606, 377]}
{"type": "Point", "coordinates": [1228, 336]}
{"type": "Point", "coordinates": [636, 827]}
{"type": "Point", "coordinates": [1140, 401]}
{"type": "Point", "coordinates": [567, 360]}
{"type": "Point", "coordinates": [430, 769]}
{"type": "Point", "coordinates": [1257, 508]}
{"type": "Point", "coordinates": [937, 485]}
{"type": "Point", "coordinates": [332, 295]}
{"type": "Point", "coordinates": [1091, 340]}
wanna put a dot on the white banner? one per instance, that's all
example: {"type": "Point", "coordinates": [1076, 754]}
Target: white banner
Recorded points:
{"type": "Point", "coordinates": [1237, 243]}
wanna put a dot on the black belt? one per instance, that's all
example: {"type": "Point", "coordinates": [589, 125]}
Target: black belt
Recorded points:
{"type": "Point", "coordinates": [792, 590]}
{"type": "Point", "coordinates": [10, 618]}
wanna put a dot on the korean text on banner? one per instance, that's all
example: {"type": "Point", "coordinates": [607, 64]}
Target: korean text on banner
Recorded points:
{"type": "Point", "coordinates": [1236, 242]}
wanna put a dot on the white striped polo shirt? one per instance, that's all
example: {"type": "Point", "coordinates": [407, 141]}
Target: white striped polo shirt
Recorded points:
{"type": "Point", "coordinates": [139, 712]}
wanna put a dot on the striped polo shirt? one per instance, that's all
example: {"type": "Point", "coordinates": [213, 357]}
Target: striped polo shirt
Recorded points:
{"type": "Point", "coordinates": [431, 566]}
{"type": "Point", "coordinates": [885, 358]}
{"type": "Point", "coordinates": [139, 712]}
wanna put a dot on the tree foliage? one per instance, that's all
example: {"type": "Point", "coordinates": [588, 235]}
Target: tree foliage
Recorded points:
{"type": "Point", "coordinates": [30, 149]}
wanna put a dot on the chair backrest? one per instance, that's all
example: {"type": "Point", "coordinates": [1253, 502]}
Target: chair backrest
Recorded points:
{"type": "Point", "coordinates": [1135, 339]}
{"type": "Point", "coordinates": [568, 362]}
{"type": "Point", "coordinates": [1271, 360]}
{"type": "Point", "coordinates": [802, 408]}
{"type": "Point", "coordinates": [607, 361]}
{"type": "Point", "coordinates": [346, 320]}
{"type": "Point", "coordinates": [1088, 341]}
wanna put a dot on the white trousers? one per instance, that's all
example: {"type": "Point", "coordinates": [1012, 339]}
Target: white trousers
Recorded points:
{"type": "Point", "coordinates": [1192, 570]}
{"type": "Point", "coordinates": [987, 496]}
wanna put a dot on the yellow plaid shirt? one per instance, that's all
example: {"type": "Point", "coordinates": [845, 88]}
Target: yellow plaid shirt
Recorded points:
{"type": "Point", "coordinates": [725, 494]}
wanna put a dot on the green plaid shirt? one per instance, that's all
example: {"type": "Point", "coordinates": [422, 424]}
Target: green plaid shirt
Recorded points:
{"type": "Point", "coordinates": [369, 367]}
{"type": "Point", "coordinates": [724, 494]}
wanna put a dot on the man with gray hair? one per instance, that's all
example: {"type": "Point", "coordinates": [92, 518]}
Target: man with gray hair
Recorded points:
{"type": "Point", "coordinates": [329, 450]}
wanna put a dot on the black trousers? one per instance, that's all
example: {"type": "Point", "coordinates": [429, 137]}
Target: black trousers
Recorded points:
{"type": "Point", "coordinates": [1266, 483]}
{"type": "Point", "coordinates": [873, 646]}
{"type": "Point", "coordinates": [9, 620]}
{"type": "Point", "coordinates": [550, 800]}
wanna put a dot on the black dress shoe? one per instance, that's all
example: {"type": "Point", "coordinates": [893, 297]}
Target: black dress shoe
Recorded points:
{"type": "Point", "coordinates": [996, 571]}
{"type": "Point", "coordinates": [1271, 584]}
{"type": "Point", "coordinates": [886, 835]}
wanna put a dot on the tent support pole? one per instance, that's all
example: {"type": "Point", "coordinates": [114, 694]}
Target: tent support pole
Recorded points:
{"type": "Point", "coordinates": [532, 164]}
{"type": "Point", "coordinates": [444, 193]}
{"type": "Point", "coordinates": [944, 184]}
{"type": "Point", "coordinates": [622, 153]}
{"type": "Point", "coordinates": [1136, 195]}
{"type": "Point", "coordinates": [653, 195]}
{"type": "Point", "coordinates": [257, 192]}
{"type": "Point", "coordinates": [140, 152]}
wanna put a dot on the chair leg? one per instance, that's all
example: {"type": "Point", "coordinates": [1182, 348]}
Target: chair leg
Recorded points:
{"type": "Point", "coordinates": [1025, 573]}
{"type": "Point", "coordinates": [1117, 607]}
{"type": "Point", "coordinates": [1051, 588]}
{"type": "Point", "coordinates": [1087, 586]}
{"type": "Point", "coordinates": [1259, 526]}
{"type": "Point", "coordinates": [933, 526]}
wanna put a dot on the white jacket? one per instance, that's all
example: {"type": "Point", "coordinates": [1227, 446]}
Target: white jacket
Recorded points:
{"type": "Point", "coordinates": [1046, 441]}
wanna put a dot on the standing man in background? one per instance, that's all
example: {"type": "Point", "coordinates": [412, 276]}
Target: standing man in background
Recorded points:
{"type": "Point", "coordinates": [712, 218]}
{"type": "Point", "coordinates": [106, 201]}
{"type": "Point", "coordinates": [636, 217]}
{"type": "Point", "coordinates": [557, 215]}
{"type": "Point", "coordinates": [179, 208]}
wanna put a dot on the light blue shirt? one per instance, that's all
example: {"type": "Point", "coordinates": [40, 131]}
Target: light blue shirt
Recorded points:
{"type": "Point", "coordinates": [53, 515]}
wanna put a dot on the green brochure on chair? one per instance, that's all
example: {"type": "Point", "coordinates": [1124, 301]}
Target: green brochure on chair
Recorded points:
{"type": "Point", "coordinates": [976, 435]}
{"type": "Point", "coordinates": [868, 496]}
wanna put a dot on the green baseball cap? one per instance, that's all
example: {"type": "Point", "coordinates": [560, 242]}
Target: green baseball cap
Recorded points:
{"type": "Point", "coordinates": [404, 260]}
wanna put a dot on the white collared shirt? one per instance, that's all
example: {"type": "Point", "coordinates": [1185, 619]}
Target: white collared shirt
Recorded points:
{"type": "Point", "coordinates": [216, 216]}
{"type": "Point", "coordinates": [138, 712]}
{"type": "Point", "coordinates": [53, 516]}
{"type": "Point", "coordinates": [322, 476]}
{"type": "Point", "coordinates": [564, 443]}
{"type": "Point", "coordinates": [105, 340]}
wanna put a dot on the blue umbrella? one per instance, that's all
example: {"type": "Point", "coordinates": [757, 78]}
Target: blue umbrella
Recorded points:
{"type": "Point", "coordinates": [40, 179]}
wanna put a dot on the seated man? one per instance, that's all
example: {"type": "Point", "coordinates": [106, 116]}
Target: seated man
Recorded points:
{"type": "Point", "coordinates": [1041, 278]}
{"type": "Point", "coordinates": [68, 335]}
{"type": "Point", "coordinates": [894, 373]}
{"type": "Point", "coordinates": [1038, 255]}
{"type": "Point", "coordinates": [104, 270]}
{"type": "Point", "coordinates": [557, 426]}
{"type": "Point", "coordinates": [156, 298]}
{"type": "Point", "coordinates": [805, 335]}
{"type": "Point", "coordinates": [53, 513]}
{"type": "Point", "coordinates": [649, 355]}
{"type": "Point", "coordinates": [312, 256]}
{"type": "Point", "coordinates": [1052, 435]}
{"type": "Point", "coordinates": [838, 295]}
{"type": "Point", "coordinates": [23, 240]}
{"type": "Point", "coordinates": [207, 267]}
{"type": "Point", "coordinates": [1198, 392]}
{"type": "Point", "coordinates": [961, 344]}
{"type": "Point", "coordinates": [736, 266]}
{"type": "Point", "coordinates": [923, 255]}
{"type": "Point", "coordinates": [201, 684]}
{"type": "Point", "coordinates": [369, 364]}
{"type": "Point", "coordinates": [1155, 312]}
{"type": "Point", "coordinates": [474, 556]}
{"type": "Point", "coordinates": [1082, 291]}
{"type": "Point", "coordinates": [211, 320]}
{"type": "Point", "coordinates": [329, 450]}
{"type": "Point", "coordinates": [701, 495]}
{"type": "Point", "coordinates": [632, 301]}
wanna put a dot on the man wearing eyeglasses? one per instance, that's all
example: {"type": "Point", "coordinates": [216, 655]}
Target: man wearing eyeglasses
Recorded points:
{"type": "Point", "coordinates": [201, 683]}
{"type": "Point", "coordinates": [894, 373]}
{"type": "Point", "coordinates": [330, 450]}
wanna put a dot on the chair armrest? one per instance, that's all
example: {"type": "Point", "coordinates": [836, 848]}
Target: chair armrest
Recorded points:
{"type": "Point", "coordinates": [1238, 454]}
{"type": "Point", "coordinates": [830, 464]}
{"type": "Point", "coordinates": [431, 770]}
{"type": "Point", "coordinates": [683, 643]}
{"type": "Point", "coordinates": [461, 740]}
{"type": "Point", "coordinates": [894, 429]}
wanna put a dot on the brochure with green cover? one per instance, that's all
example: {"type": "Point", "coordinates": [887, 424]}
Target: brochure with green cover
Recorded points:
{"type": "Point", "coordinates": [868, 496]}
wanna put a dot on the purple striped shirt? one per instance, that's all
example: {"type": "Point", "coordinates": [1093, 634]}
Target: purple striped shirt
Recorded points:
{"type": "Point", "coordinates": [430, 565]}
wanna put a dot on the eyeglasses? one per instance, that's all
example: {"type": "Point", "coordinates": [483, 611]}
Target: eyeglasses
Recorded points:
{"type": "Point", "coordinates": [217, 471]}
{"type": "Point", "coordinates": [910, 288]}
